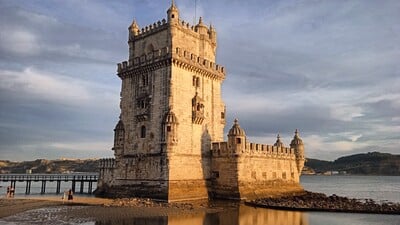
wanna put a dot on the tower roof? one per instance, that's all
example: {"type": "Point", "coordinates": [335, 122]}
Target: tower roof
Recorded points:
{"type": "Point", "coordinates": [170, 117]}
{"type": "Point", "coordinates": [119, 126]}
{"type": "Point", "coordinates": [236, 130]}
{"type": "Point", "coordinates": [278, 142]}
{"type": "Point", "coordinates": [296, 139]}
{"type": "Point", "coordinates": [172, 8]}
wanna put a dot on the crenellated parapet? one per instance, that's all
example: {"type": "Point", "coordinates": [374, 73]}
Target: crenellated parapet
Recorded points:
{"type": "Point", "coordinates": [107, 163]}
{"type": "Point", "coordinates": [136, 33]}
{"type": "Point", "coordinates": [222, 149]}
{"type": "Point", "coordinates": [194, 63]}
{"type": "Point", "coordinates": [146, 62]}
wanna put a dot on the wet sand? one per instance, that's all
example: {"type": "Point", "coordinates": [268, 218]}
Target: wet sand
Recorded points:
{"type": "Point", "coordinates": [12, 206]}
{"type": "Point", "coordinates": [105, 209]}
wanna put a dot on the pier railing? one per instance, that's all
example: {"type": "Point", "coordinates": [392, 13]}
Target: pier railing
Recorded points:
{"type": "Point", "coordinates": [83, 178]}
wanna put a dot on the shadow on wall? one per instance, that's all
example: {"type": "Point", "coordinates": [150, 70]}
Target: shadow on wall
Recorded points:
{"type": "Point", "coordinates": [206, 159]}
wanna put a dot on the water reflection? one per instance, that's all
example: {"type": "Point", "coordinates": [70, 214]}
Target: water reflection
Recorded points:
{"type": "Point", "coordinates": [242, 215]}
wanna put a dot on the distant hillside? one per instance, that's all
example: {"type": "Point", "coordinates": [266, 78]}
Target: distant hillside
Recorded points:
{"type": "Point", "coordinates": [49, 166]}
{"type": "Point", "coordinates": [372, 163]}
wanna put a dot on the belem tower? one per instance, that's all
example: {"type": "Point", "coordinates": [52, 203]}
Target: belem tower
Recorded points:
{"type": "Point", "coordinates": [169, 142]}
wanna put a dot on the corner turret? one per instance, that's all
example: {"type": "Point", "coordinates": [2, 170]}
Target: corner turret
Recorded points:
{"type": "Point", "coordinates": [278, 142]}
{"type": "Point", "coordinates": [119, 136]}
{"type": "Point", "coordinates": [173, 13]}
{"type": "Point", "coordinates": [297, 145]}
{"type": "Point", "coordinates": [237, 137]}
{"type": "Point", "coordinates": [212, 34]}
{"type": "Point", "coordinates": [170, 124]}
{"type": "Point", "coordinates": [201, 28]}
{"type": "Point", "coordinates": [134, 28]}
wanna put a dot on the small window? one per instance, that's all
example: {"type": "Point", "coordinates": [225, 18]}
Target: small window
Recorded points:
{"type": "Point", "coordinates": [222, 115]}
{"type": "Point", "coordinates": [238, 140]}
{"type": "Point", "coordinates": [143, 132]}
{"type": "Point", "coordinates": [145, 80]}
{"type": "Point", "coordinates": [284, 175]}
{"type": "Point", "coordinates": [197, 82]}
{"type": "Point", "coordinates": [142, 104]}
{"type": "Point", "coordinates": [168, 128]}
{"type": "Point", "coordinates": [274, 175]}
{"type": "Point", "coordinates": [173, 16]}
{"type": "Point", "coordinates": [264, 175]}
{"type": "Point", "coordinates": [215, 174]}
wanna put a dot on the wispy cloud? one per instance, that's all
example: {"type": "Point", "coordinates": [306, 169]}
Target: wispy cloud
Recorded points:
{"type": "Point", "coordinates": [39, 85]}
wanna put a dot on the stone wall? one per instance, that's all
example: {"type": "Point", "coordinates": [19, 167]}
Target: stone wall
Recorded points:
{"type": "Point", "coordinates": [255, 171]}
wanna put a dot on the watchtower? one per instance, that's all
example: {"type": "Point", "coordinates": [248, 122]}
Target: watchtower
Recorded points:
{"type": "Point", "coordinates": [171, 110]}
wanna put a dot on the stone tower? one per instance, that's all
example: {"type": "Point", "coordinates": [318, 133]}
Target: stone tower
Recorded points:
{"type": "Point", "coordinates": [168, 143]}
{"type": "Point", "coordinates": [171, 111]}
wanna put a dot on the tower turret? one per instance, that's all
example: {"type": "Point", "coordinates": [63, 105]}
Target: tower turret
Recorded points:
{"type": "Point", "coordinates": [170, 124]}
{"type": "Point", "coordinates": [201, 28]}
{"type": "Point", "coordinates": [173, 13]}
{"type": "Point", "coordinates": [297, 145]}
{"type": "Point", "coordinates": [278, 142]}
{"type": "Point", "coordinates": [119, 136]}
{"type": "Point", "coordinates": [133, 30]}
{"type": "Point", "coordinates": [212, 34]}
{"type": "Point", "coordinates": [237, 137]}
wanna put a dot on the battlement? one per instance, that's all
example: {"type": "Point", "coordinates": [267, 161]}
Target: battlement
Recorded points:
{"type": "Point", "coordinates": [221, 149]}
{"type": "Point", "coordinates": [107, 163]}
{"type": "Point", "coordinates": [191, 59]}
{"type": "Point", "coordinates": [145, 59]}
{"type": "Point", "coordinates": [198, 29]}
{"type": "Point", "coordinates": [150, 29]}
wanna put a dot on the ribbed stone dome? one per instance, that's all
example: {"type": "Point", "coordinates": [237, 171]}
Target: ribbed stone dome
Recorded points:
{"type": "Point", "coordinates": [296, 139]}
{"type": "Point", "coordinates": [278, 142]}
{"type": "Point", "coordinates": [170, 117]}
{"type": "Point", "coordinates": [236, 130]}
{"type": "Point", "coordinates": [119, 126]}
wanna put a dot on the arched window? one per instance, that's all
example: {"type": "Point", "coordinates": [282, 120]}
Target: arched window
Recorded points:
{"type": "Point", "coordinates": [143, 132]}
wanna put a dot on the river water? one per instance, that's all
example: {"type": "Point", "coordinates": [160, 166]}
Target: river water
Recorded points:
{"type": "Point", "coordinates": [380, 188]}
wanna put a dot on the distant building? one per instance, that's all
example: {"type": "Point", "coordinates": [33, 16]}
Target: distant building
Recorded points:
{"type": "Point", "coordinates": [169, 142]}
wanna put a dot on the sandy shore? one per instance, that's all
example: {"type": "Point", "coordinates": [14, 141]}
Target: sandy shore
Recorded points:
{"type": "Point", "coordinates": [11, 206]}
{"type": "Point", "coordinates": [106, 209]}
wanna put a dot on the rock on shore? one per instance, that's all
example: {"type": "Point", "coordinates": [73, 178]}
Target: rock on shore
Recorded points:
{"type": "Point", "coordinates": [309, 201]}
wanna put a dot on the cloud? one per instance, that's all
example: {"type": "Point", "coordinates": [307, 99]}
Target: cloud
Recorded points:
{"type": "Point", "coordinates": [20, 42]}
{"type": "Point", "coordinates": [32, 36]}
{"type": "Point", "coordinates": [39, 85]}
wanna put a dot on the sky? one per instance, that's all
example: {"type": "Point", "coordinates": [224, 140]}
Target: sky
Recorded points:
{"type": "Point", "coordinates": [328, 68]}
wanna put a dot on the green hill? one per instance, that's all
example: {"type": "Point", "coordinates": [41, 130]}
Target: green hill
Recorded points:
{"type": "Point", "coordinates": [372, 163]}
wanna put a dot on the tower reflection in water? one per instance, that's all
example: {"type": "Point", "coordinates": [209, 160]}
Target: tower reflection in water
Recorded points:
{"type": "Point", "coordinates": [242, 215]}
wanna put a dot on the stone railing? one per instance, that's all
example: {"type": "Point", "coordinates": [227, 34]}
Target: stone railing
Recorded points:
{"type": "Point", "coordinates": [107, 163]}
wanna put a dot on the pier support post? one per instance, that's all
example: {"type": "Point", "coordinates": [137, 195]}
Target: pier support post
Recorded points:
{"type": "Point", "coordinates": [90, 187]}
{"type": "Point", "coordinates": [43, 189]}
{"type": "Point", "coordinates": [73, 185]}
{"type": "Point", "coordinates": [28, 187]}
{"type": "Point", "coordinates": [58, 187]}
{"type": "Point", "coordinates": [81, 187]}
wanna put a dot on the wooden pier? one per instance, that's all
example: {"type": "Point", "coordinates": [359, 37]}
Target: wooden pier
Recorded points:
{"type": "Point", "coordinates": [82, 178]}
